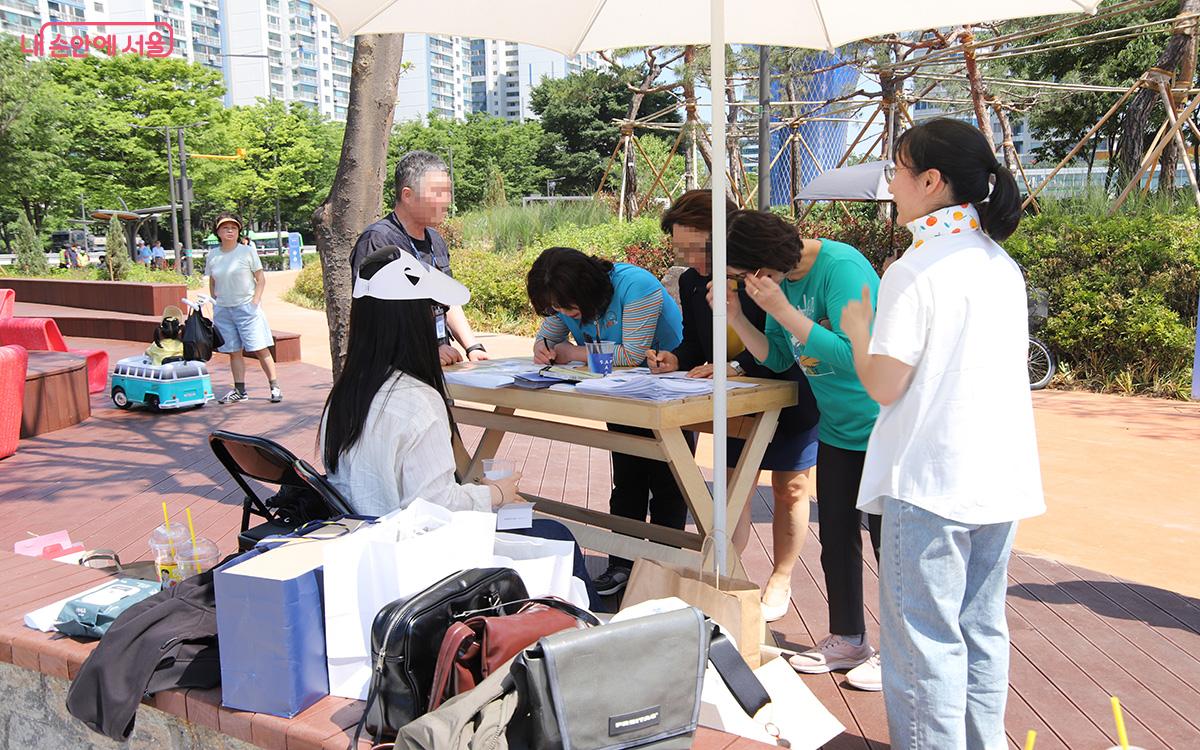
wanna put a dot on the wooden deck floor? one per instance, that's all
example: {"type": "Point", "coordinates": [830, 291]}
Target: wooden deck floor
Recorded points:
{"type": "Point", "coordinates": [1078, 636]}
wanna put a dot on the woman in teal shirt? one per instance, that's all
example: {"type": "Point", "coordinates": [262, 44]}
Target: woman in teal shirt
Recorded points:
{"type": "Point", "coordinates": [803, 284]}
{"type": "Point", "coordinates": [591, 299]}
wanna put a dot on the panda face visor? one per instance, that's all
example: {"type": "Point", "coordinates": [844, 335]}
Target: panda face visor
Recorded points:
{"type": "Point", "coordinates": [407, 278]}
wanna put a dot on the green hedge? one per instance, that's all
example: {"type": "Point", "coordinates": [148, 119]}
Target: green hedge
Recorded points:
{"type": "Point", "coordinates": [1122, 296]}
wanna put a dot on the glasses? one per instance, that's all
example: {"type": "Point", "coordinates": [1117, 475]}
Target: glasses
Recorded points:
{"type": "Point", "coordinates": [889, 171]}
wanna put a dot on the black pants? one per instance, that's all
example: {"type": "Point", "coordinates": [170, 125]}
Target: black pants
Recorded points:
{"type": "Point", "coordinates": [642, 485]}
{"type": "Point", "coordinates": [839, 472]}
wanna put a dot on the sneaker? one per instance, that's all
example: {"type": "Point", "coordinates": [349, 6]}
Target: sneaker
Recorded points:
{"type": "Point", "coordinates": [612, 581]}
{"type": "Point", "coordinates": [276, 395]}
{"type": "Point", "coordinates": [867, 676]}
{"type": "Point", "coordinates": [835, 652]}
{"type": "Point", "coordinates": [233, 397]}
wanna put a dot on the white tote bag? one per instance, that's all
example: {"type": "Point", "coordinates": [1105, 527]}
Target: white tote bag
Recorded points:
{"type": "Point", "coordinates": [545, 565]}
{"type": "Point", "coordinates": [403, 554]}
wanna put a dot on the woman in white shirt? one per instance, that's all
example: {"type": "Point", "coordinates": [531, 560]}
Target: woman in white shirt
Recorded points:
{"type": "Point", "coordinates": [952, 462]}
{"type": "Point", "coordinates": [386, 432]}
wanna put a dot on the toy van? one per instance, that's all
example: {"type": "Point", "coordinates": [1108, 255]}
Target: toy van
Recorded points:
{"type": "Point", "coordinates": [176, 385]}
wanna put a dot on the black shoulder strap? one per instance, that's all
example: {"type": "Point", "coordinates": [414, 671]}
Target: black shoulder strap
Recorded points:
{"type": "Point", "coordinates": [736, 674]}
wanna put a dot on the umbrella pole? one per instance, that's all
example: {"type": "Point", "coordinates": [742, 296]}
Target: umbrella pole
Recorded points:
{"type": "Point", "coordinates": [720, 320]}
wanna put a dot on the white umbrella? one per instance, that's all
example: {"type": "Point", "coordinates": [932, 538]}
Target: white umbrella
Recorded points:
{"type": "Point", "coordinates": [573, 26]}
{"type": "Point", "coordinates": [860, 182]}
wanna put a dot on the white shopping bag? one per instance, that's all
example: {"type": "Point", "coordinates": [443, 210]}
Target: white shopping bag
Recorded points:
{"type": "Point", "coordinates": [403, 554]}
{"type": "Point", "coordinates": [545, 565]}
{"type": "Point", "coordinates": [795, 712]}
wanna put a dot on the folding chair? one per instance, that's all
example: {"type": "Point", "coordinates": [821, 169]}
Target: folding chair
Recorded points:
{"type": "Point", "coordinates": [250, 457]}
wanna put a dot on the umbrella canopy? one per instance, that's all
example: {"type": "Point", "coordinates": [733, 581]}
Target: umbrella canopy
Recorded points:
{"type": "Point", "coordinates": [860, 182]}
{"type": "Point", "coordinates": [579, 25]}
{"type": "Point", "coordinates": [585, 25]}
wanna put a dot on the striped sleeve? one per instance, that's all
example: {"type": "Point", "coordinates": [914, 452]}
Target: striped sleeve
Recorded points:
{"type": "Point", "coordinates": [553, 330]}
{"type": "Point", "coordinates": [639, 320]}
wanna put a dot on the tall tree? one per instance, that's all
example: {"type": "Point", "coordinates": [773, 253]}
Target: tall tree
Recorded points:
{"type": "Point", "coordinates": [355, 199]}
{"type": "Point", "coordinates": [580, 111]}
{"type": "Point", "coordinates": [31, 255]}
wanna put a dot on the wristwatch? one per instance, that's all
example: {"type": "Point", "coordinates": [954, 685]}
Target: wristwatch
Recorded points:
{"type": "Point", "coordinates": [737, 367]}
{"type": "Point", "coordinates": [475, 348]}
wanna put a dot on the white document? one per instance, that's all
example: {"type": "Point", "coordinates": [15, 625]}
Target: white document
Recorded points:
{"type": "Point", "coordinates": [43, 618]}
{"type": "Point", "coordinates": [403, 554]}
{"type": "Point", "coordinates": [478, 379]}
{"type": "Point", "coordinates": [652, 387]}
{"type": "Point", "coordinates": [514, 516]}
{"type": "Point", "coordinates": [794, 710]}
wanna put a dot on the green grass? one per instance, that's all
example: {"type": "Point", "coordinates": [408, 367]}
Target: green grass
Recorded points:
{"type": "Point", "coordinates": [511, 228]}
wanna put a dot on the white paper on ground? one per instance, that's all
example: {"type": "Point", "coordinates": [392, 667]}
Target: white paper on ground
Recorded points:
{"type": "Point", "coordinates": [514, 516]}
{"type": "Point", "coordinates": [43, 618]}
{"type": "Point", "coordinates": [800, 717]}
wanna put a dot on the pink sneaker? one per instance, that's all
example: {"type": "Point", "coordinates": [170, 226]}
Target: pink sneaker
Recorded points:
{"type": "Point", "coordinates": [834, 652]}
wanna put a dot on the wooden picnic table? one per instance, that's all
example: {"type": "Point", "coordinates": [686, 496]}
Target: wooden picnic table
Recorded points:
{"type": "Point", "coordinates": [548, 414]}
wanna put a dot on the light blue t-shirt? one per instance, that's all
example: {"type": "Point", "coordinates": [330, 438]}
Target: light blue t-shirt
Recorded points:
{"type": "Point", "coordinates": [630, 283]}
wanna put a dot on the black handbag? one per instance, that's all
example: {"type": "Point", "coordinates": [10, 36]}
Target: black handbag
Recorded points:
{"type": "Point", "coordinates": [200, 337]}
{"type": "Point", "coordinates": [407, 635]}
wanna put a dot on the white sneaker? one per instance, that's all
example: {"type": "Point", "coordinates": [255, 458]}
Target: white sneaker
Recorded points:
{"type": "Point", "coordinates": [276, 395]}
{"type": "Point", "coordinates": [232, 397]}
{"type": "Point", "coordinates": [834, 652]}
{"type": "Point", "coordinates": [867, 676]}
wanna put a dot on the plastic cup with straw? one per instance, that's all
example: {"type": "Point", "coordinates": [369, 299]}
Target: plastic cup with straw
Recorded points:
{"type": "Point", "coordinates": [163, 545]}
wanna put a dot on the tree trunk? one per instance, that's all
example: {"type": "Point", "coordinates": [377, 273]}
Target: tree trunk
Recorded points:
{"type": "Point", "coordinates": [1010, 151]}
{"type": "Point", "coordinates": [794, 146]}
{"type": "Point", "coordinates": [356, 196]}
{"type": "Point", "coordinates": [1131, 143]}
{"type": "Point", "coordinates": [978, 94]}
{"type": "Point", "coordinates": [1187, 74]}
{"type": "Point", "coordinates": [689, 121]}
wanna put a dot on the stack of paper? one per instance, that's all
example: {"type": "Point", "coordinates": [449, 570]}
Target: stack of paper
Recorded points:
{"type": "Point", "coordinates": [650, 387]}
{"type": "Point", "coordinates": [478, 378]}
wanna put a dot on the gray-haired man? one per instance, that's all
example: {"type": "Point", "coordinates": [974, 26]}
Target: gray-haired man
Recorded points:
{"type": "Point", "coordinates": [422, 198]}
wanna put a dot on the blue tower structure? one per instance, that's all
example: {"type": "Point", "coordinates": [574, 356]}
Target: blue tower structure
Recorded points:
{"type": "Point", "coordinates": [826, 85]}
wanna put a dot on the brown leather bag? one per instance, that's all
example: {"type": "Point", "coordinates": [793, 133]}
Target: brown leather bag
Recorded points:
{"type": "Point", "coordinates": [473, 649]}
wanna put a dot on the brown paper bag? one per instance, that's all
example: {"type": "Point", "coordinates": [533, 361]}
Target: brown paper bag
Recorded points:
{"type": "Point", "coordinates": [732, 603]}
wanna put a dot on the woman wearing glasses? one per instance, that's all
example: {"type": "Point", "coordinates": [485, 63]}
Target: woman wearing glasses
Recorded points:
{"type": "Point", "coordinates": [947, 361]}
{"type": "Point", "coordinates": [792, 453]}
{"type": "Point", "coordinates": [802, 285]}
{"type": "Point", "coordinates": [590, 299]}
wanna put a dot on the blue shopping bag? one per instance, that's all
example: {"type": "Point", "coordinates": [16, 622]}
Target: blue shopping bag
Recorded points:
{"type": "Point", "coordinates": [270, 622]}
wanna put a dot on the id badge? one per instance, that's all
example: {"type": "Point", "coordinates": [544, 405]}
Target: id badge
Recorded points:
{"type": "Point", "coordinates": [441, 327]}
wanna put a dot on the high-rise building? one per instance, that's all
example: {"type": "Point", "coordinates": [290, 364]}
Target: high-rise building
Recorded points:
{"type": "Point", "coordinates": [436, 78]}
{"type": "Point", "coordinates": [504, 74]}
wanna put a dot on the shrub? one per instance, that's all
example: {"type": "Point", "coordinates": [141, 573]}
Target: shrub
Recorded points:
{"type": "Point", "coordinates": [607, 240]}
{"type": "Point", "coordinates": [31, 257]}
{"type": "Point", "coordinates": [309, 288]}
{"type": "Point", "coordinates": [1122, 295]}
{"type": "Point", "coordinates": [116, 251]}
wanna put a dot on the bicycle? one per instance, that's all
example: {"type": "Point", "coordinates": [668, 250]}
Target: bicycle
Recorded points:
{"type": "Point", "coordinates": [1042, 363]}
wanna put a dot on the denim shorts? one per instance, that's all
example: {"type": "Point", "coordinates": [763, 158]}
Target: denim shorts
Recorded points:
{"type": "Point", "coordinates": [244, 328]}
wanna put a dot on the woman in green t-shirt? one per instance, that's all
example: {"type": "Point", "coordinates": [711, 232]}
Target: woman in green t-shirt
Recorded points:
{"type": "Point", "coordinates": [803, 284]}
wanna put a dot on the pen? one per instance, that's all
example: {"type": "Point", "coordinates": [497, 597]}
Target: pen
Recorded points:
{"type": "Point", "coordinates": [546, 343]}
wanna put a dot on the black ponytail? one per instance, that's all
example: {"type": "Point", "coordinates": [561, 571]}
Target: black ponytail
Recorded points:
{"type": "Point", "coordinates": [961, 154]}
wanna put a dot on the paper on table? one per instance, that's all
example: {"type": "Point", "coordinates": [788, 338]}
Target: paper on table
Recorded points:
{"type": "Point", "coordinates": [43, 618]}
{"type": "Point", "coordinates": [479, 379]}
{"type": "Point", "coordinates": [651, 387]}
{"type": "Point", "coordinates": [514, 516]}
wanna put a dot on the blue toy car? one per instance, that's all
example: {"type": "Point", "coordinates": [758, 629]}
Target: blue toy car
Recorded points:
{"type": "Point", "coordinates": [175, 385]}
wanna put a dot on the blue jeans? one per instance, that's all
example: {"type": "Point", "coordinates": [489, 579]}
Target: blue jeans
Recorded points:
{"type": "Point", "coordinates": [546, 528]}
{"type": "Point", "coordinates": [944, 637]}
